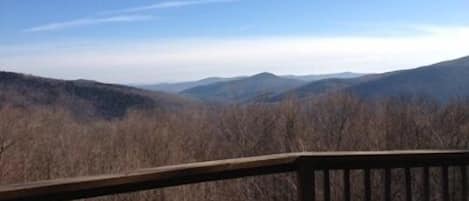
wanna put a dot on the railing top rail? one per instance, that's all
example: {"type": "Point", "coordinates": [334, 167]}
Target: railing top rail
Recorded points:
{"type": "Point", "coordinates": [385, 159]}
{"type": "Point", "coordinates": [150, 178]}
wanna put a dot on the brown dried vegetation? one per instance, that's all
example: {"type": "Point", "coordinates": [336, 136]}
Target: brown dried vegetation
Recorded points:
{"type": "Point", "coordinates": [48, 142]}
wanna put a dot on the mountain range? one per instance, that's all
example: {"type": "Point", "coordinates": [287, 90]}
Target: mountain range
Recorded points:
{"type": "Point", "coordinates": [181, 86]}
{"type": "Point", "coordinates": [263, 85]}
{"type": "Point", "coordinates": [82, 97]}
{"type": "Point", "coordinates": [442, 81]}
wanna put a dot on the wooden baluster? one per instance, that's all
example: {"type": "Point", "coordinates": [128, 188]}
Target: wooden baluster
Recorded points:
{"type": "Point", "coordinates": [367, 184]}
{"type": "Point", "coordinates": [327, 186]}
{"type": "Point", "coordinates": [426, 184]}
{"type": "Point", "coordinates": [444, 183]}
{"type": "Point", "coordinates": [346, 180]}
{"type": "Point", "coordinates": [464, 183]}
{"type": "Point", "coordinates": [306, 183]}
{"type": "Point", "coordinates": [408, 184]}
{"type": "Point", "coordinates": [387, 184]}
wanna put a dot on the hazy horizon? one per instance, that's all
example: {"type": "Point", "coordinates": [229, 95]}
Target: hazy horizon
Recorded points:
{"type": "Point", "coordinates": [147, 41]}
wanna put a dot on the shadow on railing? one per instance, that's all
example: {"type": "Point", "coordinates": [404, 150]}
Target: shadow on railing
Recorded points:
{"type": "Point", "coordinates": [306, 165]}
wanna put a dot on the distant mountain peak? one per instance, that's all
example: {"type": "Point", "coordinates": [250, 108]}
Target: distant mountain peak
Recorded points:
{"type": "Point", "coordinates": [264, 75]}
{"type": "Point", "coordinates": [243, 90]}
{"type": "Point", "coordinates": [179, 87]}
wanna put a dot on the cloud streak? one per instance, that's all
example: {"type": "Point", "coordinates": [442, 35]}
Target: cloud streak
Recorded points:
{"type": "Point", "coordinates": [123, 15]}
{"type": "Point", "coordinates": [168, 4]}
{"type": "Point", "coordinates": [87, 21]}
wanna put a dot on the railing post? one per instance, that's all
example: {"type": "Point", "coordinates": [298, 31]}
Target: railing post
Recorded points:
{"type": "Point", "coordinates": [306, 182]}
{"type": "Point", "coordinates": [346, 179]}
{"type": "Point", "coordinates": [464, 183]}
{"type": "Point", "coordinates": [327, 185]}
{"type": "Point", "coordinates": [408, 184]}
{"type": "Point", "coordinates": [387, 184]}
{"type": "Point", "coordinates": [367, 184]}
{"type": "Point", "coordinates": [445, 183]}
{"type": "Point", "coordinates": [426, 183]}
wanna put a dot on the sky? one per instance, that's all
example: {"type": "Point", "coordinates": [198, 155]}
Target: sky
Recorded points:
{"type": "Point", "coordinates": [150, 41]}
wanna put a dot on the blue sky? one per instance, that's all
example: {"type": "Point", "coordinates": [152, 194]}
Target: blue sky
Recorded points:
{"type": "Point", "coordinates": [148, 41]}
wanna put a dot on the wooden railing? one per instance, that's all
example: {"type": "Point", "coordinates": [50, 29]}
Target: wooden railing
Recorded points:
{"type": "Point", "coordinates": [306, 165]}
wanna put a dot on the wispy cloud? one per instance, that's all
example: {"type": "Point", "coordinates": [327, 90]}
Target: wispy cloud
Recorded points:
{"type": "Point", "coordinates": [87, 21]}
{"type": "Point", "coordinates": [168, 4]}
{"type": "Point", "coordinates": [123, 17]}
{"type": "Point", "coordinates": [144, 60]}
